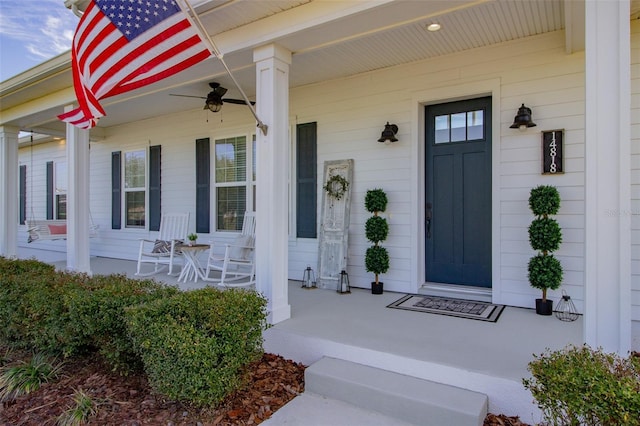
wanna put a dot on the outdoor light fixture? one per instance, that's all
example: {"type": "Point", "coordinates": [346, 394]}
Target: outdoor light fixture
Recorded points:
{"type": "Point", "coordinates": [212, 106]}
{"type": "Point", "coordinates": [433, 27]}
{"type": "Point", "coordinates": [308, 279]}
{"type": "Point", "coordinates": [389, 133]}
{"type": "Point", "coordinates": [343, 285]}
{"type": "Point", "coordinates": [566, 310]}
{"type": "Point", "coordinates": [523, 119]}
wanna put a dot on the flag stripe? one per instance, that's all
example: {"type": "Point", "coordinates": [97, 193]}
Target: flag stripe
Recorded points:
{"type": "Point", "coordinates": [123, 45]}
{"type": "Point", "coordinates": [144, 54]}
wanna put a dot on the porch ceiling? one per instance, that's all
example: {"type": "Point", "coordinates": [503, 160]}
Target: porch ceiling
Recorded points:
{"type": "Point", "coordinates": [328, 39]}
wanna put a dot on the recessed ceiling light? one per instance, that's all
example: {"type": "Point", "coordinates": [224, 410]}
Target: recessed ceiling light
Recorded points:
{"type": "Point", "coordinates": [433, 27]}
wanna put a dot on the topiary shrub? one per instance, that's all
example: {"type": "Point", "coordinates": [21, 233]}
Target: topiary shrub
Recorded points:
{"type": "Point", "coordinates": [545, 236]}
{"type": "Point", "coordinates": [376, 258]}
{"type": "Point", "coordinates": [195, 345]}
{"type": "Point", "coordinates": [581, 386]}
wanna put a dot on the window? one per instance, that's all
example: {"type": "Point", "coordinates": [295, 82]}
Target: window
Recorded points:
{"type": "Point", "coordinates": [459, 127]}
{"type": "Point", "coordinates": [135, 188]}
{"type": "Point", "coordinates": [60, 190]}
{"type": "Point", "coordinates": [235, 188]}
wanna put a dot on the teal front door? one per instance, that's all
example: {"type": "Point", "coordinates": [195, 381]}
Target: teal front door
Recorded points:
{"type": "Point", "coordinates": [458, 192]}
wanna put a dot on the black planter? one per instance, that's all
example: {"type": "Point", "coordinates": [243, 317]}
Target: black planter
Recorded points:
{"type": "Point", "coordinates": [376, 288]}
{"type": "Point", "coordinates": [544, 308]}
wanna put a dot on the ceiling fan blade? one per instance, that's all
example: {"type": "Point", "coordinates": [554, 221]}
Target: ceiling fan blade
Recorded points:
{"type": "Point", "coordinates": [236, 101]}
{"type": "Point", "coordinates": [187, 96]}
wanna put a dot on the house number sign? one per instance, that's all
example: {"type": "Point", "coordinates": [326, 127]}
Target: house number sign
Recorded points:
{"type": "Point", "coordinates": [552, 151]}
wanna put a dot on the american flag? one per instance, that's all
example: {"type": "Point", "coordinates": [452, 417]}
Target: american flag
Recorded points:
{"type": "Point", "coordinates": [122, 45]}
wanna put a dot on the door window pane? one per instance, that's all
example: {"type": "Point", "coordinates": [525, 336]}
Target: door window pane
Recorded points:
{"type": "Point", "coordinates": [458, 127]}
{"type": "Point", "coordinates": [475, 125]}
{"type": "Point", "coordinates": [442, 129]}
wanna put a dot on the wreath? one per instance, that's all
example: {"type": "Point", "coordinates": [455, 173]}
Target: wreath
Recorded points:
{"type": "Point", "coordinates": [336, 186]}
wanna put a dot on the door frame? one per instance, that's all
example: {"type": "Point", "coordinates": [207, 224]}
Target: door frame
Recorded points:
{"type": "Point", "coordinates": [420, 99]}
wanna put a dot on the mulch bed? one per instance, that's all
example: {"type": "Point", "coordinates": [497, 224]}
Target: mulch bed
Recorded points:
{"type": "Point", "coordinates": [129, 401]}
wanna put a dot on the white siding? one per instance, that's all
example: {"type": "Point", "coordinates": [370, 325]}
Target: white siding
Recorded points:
{"type": "Point", "coordinates": [351, 113]}
{"type": "Point", "coordinates": [635, 175]}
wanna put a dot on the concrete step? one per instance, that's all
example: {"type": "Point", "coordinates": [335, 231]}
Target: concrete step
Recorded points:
{"type": "Point", "coordinates": [309, 409]}
{"type": "Point", "coordinates": [409, 399]}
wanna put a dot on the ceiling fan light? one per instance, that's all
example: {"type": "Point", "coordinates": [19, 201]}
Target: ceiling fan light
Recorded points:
{"type": "Point", "coordinates": [212, 106]}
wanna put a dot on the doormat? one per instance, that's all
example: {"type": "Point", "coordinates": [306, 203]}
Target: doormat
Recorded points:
{"type": "Point", "coordinates": [472, 309]}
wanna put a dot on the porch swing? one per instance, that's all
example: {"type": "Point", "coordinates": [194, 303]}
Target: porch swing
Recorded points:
{"type": "Point", "coordinates": [50, 229]}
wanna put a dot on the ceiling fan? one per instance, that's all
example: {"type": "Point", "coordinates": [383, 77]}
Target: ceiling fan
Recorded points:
{"type": "Point", "coordinates": [214, 100]}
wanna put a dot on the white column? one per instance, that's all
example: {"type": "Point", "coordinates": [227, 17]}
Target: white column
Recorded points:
{"type": "Point", "coordinates": [9, 196]}
{"type": "Point", "coordinates": [272, 151]}
{"type": "Point", "coordinates": [78, 199]}
{"type": "Point", "coordinates": [607, 316]}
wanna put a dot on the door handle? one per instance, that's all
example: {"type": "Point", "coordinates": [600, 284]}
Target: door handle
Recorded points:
{"type": "Point", "coordinates": [427, 217]}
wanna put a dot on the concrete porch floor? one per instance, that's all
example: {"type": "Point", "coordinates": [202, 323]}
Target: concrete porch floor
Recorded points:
{"type": "Point", "coordinates": [490, 358]}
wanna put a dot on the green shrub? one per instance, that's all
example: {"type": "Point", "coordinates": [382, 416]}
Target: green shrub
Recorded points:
{"type": "Point", "coordinates": [580, 386]}
{"type": "Point", "coordinates": [97, 316]}
{"type": "Point", "coordinates": [15, 276]}
{"type": "Point", "coordinates": [545, 234]}
{"type": "Point", "coordinates": [196, 345]}
{"type": "Point", "coordinates": [32, 306]}
{"type": "Point", "coordinates": [375, 200]}
{"type": "Point", "coordinates": [376, 229]}
{"type": "Point", "coordinates": [545, 272]}
{"type": "Point", "coordinates": [544, 200]}
{"type": "Point", "coordinates": [70, 314]}
{"type": "Point", "coordinates": [376, 260]}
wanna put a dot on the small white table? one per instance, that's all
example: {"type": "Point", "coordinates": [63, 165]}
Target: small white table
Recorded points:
{"type": "Point", "coordinates": [192, 268]}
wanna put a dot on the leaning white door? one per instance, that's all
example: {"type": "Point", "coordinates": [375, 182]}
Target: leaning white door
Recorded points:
{"type": "Point", "coordinates": [334, 225]}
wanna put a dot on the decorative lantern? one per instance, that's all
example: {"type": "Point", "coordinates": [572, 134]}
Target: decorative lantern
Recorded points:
{"type": "Point", "coordinates": [309, 279]}
{"type": "Point", "coordinates": [343, 285]}
{"type": "Point", "coordinates": [566, 310]}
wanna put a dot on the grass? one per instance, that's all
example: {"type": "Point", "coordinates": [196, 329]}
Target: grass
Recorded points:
{"type": "Point", "coordinates": [27, 376]}
{"type": "Point", "coordinates": [83, 408]}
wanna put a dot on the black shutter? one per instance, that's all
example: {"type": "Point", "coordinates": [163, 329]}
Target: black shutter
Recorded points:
{"type": "Point", "coordinates": [23, 195]}
{"type": "Point", "coordinates": [116, 190]}
{"type": "Point", "coordinates": [49, 190]}
{"type": "Point", "coordinates": [306, 182]}
{"type": "Point", "coordinates": [203, 183]}
{"type": "Point", "coordinates": [155, 211]}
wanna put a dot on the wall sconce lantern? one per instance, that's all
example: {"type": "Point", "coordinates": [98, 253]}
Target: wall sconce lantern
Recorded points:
{"type": "Point", "coordinates": [523, 119]}
{"type": "Point", "coordinates": [343, 285]}
{"type": "Point", "coordinates": [309, 279]}
{"type": "Point", "coordinates": [389, 133]}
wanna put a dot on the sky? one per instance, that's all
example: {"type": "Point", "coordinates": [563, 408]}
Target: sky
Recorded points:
{"type": "Point", "coordinates": [32, 31]}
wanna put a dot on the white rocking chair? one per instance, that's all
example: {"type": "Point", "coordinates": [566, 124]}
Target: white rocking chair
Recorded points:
{"type": "Point", "coordinates": [237, 265]}
{"type": "Point", "coordinates": [162, 252]}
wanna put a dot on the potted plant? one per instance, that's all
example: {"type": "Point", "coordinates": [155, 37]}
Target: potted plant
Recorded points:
{"type": "Point", "coordinates": [376, 258]}
{"type": "Point", "coordinates": [192, 239]}
{"type": "Point", "coordinates": [545, 271]}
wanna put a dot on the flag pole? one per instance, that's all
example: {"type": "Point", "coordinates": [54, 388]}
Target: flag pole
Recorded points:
{"type": "Point", "coordinates": [195, 21]}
